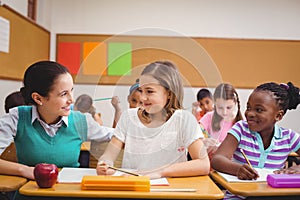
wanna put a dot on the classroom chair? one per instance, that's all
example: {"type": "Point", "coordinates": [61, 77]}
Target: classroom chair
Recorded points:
{"type": "Point", "coordinates": [10, 153]}
{"type": "Point", "coordinates": [292, 159]}
{"type": "Point", "coordinates": [84, 157]}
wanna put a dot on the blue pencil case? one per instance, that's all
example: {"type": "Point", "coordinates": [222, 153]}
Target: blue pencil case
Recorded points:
{"type": "Point", "coordinates": [284, 180]}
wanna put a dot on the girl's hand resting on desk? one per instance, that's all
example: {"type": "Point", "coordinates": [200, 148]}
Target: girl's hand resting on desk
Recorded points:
{"type": "Point", "coordinates": [103, 168]}
{"type": "Point", "coordinates": [151, 174]}
{"type": "Point", "coordinates": [291, 170]}
{"type": "Point", "coordinates": [245, 172]}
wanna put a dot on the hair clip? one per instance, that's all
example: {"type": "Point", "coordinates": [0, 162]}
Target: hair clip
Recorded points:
{"type": "Point", "coordinates": [284, 85]}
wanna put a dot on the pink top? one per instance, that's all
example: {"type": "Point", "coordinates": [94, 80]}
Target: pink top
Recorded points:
{"type": "Point", "coordinates": [220, 135]}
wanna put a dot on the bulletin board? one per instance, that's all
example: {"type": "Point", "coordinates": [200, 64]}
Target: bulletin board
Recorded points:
{"type": "Point", "coordinates": [28, 43]}
{"type": "Point", "coordinates": [202, 62]}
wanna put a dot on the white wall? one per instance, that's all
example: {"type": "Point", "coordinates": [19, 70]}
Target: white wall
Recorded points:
{"type": "Point", "coordinates": [18, 5]}
{"type": "Point", "coordinates": [259, 19]}
{"type": "Point", "coordinates": [276, 19]}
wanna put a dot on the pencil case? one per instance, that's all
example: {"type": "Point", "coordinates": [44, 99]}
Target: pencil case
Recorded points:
{"type": "Point", "coordinates": [284, 180]}
{"type": "Point", "coordinates": [121, 183]}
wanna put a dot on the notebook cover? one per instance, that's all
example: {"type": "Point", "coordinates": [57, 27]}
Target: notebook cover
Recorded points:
{"type": "Point", "coordinates": [284, 180]}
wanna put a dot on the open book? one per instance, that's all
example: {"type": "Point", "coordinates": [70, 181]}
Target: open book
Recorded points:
{"type": "Point", "coordinates": [74, 175]}
{"type": "Point", "coordinates": [263, 173]}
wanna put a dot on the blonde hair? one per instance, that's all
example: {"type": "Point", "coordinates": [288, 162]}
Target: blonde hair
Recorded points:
{"type": "Point", "coordinates": [168, 76]}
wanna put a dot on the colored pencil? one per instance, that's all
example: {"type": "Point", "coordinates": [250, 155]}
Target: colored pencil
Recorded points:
{"type": "Point", "coordinates": [242, 151]}
{"type": "Point", "coordinates": [102, 99]}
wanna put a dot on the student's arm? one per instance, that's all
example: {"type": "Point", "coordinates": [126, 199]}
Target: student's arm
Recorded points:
{"type": "Point", "coordinates": [97, 132]}
{"type": "Point", "coordinates": [97, 117]}
{"type": "Point", "coordinates": [291, 170]}
{"type": "Point", "coordinates": [118, 111]}
{"type": "Point", "coordinates": [195, 109]}
{"type": "Point", "coordinates": [16, 169]}
{"type": "Point", "coordinates": [109, 156]}
{"type": "Point", "coordinates": [222, 162]}
{"type": "Point", "coordinates": [199, 165]}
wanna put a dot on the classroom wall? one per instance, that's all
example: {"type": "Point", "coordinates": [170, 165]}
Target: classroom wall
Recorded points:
{"type": "Point", "coordinates": [257, 19]}
{"type": "Point", "coordinates": [18, 5]}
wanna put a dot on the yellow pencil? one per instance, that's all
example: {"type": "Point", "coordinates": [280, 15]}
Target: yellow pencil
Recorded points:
{"type": "Point", "coordinates": [242, 151]}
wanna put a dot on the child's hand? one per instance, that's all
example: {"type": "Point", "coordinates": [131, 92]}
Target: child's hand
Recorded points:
{"type": "Point", "coordinates": [151, 175]}
{"type": "Point", "coordinates": [195, 107]}
{"type": "Point", "coordinates": [115, 102]}
{"type": "Point", "coordinates": [291, 170]}
{"type": "Point", "coordinates": [211, 145]}
{"type": "Point", "coordinates": [103, 169]}
{"type": "Point", "coordinates": [245, 172]}
{"type": "Point", "coordinates": [196, 104]}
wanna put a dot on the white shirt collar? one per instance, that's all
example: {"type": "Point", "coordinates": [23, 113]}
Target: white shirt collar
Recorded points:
{"type": "Point", "coordinates": [36, 116]}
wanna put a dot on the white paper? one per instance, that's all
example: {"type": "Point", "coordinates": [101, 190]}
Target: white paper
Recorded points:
{"type": "Point", "coordinates": [74, 175]}
{"type": "Point", "coordinates": [263, 173]}
{"type": "Point", "coordinates": [4, 35]}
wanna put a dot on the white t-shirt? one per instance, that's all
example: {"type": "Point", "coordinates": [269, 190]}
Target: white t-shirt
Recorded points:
{"type": "Point", "coordinates": [148, 148]}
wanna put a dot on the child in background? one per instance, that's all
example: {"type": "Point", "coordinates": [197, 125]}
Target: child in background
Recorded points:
{"type": "Point", "coordinates": [84, 104]}
{"type": "Point", "coordinates": [265, 144]}
{"type": "Point", "coordinates": [203, 104]}
{"type": "Point", "coordinates": [226, 113]}
{"type": "Point", "coordinates": [12, 100]}
{"type": "Point", "coordinates": [156, 136]}
{"type": "Point", "coordinates": [133, 99]}
{"type": "Point", "coordinates": [48, 131]}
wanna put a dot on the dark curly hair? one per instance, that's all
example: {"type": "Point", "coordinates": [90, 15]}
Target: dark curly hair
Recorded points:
{"type": "Point", "coordinates": [286, 95]}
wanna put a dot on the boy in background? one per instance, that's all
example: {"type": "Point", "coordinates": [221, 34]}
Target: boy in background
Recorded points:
{"type": "Point", "coordinates": [203, 104]}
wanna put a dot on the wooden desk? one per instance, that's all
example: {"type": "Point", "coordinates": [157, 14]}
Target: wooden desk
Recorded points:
{"type": "Point", "coordinates": [206, 189]}
{"type": "Point", "coordinates": [11, 183]}
{"type": "Point", "coordinates": [253, 188]}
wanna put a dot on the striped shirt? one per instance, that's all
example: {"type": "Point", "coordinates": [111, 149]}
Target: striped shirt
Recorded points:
{"type": "Point", "coordinates": [284, 142]}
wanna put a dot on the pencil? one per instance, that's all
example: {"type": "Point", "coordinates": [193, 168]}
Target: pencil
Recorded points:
{"type": "Point", "coordinates": [122, 170]}
{"type": "Point", "coordinates": [101, 99]}
{"type": "Point", "coordinates": [242, 151]}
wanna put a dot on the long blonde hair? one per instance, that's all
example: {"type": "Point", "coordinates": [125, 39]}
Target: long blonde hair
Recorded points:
{"type": "Point", "coordinates": [168, 76]}
{"type": "Point", "coordinates": [227, 92]}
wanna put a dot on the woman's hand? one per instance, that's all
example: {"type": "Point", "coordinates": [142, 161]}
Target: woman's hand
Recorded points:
{"type": "Point", "coordinates": [103, 168]}
{"type": "Point", "coordinates": [245, 172]}
{"type": "Point", "coordinates": [27, 172]}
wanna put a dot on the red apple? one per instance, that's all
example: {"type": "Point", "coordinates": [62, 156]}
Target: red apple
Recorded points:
{"type": "Point", "coordinates": [45, 174]}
